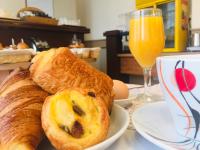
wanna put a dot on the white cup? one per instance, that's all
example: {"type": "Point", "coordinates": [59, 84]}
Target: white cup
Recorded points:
{"type": "Point", "coordinates": [179, 78]}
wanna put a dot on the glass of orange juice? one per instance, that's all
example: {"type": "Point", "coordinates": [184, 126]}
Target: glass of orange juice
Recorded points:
{"type": "Point", "coordinates": [146, 41]}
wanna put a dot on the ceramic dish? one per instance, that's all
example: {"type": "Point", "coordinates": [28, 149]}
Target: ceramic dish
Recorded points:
{"type": "Point", "coordinates": [133, 91]}
{"type": "Point", "coordinates": [154, 122]}
{"type": "Point", "coordinates": [119, 124]}
{"type": "Point", "coordinates": [125, 102]}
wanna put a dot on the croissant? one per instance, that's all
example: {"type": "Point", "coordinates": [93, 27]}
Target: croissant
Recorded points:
{"type": "Point", "coordinates": [59, 69]}
{"type": "Point", "coordinates": [75, 119]}
{"type": "Point", "coordinates": [20, 112]}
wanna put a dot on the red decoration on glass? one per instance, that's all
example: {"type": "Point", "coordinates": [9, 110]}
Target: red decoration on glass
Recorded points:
{"type": "Point", "coordinates": [185, 79]}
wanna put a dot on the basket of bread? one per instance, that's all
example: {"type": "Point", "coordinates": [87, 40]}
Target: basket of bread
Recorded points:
{"type": "Point", "coordinates": [36, 15]}
{"type": "Point", "coordinates": [14, 56]}
{"type": "Point", "coordinates": [79, 49]}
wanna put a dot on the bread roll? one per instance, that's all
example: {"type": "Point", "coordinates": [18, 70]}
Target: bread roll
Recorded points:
{"type": "Point", "coordinates": [59, 69]}
{"type": "Point", "coordinates": [1, 46]}
{"type": "Point", "coordinates": [21, 102]}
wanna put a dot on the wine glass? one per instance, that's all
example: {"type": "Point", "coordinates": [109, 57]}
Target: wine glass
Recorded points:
{"type": "Point", "coordinates": [146, 42]}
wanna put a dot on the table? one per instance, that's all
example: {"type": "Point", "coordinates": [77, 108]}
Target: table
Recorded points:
{"type": "Point", "coordinates": [131, 140]}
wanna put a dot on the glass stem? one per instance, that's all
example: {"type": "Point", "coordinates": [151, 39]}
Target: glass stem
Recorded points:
{"type": "Point", "coordinates": [147, 79]}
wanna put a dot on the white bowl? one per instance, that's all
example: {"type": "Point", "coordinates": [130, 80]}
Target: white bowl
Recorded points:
{"type": "Point", "coordinates": [119, 123]}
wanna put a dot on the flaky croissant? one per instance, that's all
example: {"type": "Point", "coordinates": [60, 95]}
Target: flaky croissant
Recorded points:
{"type": "Point", "coordinates": [59, 69]}
{"type": "Point", "coordinates": [20, 112]}
{"type": "Point", "coordinates": [75, 119]}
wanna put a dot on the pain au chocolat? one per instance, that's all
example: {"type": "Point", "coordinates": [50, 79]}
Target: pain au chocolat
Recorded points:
{"type": "Point", "coordinates": [58, 69]}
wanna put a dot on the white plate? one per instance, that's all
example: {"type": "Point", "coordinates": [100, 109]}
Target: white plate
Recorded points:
{"type": "Point", "coordinates": [134, 90]}
{"type": "Point", "coordinates": [119, 123]}
{"type": "Point", "coordinates": [154, 122]}
{"type": "Point", "coordinates": [125, 102]}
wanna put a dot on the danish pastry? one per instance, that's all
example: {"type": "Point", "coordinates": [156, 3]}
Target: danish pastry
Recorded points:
{"type": "Point", "coordinates": [59, 69]}
{"type": "Point", "coordinates": [20, 112]}
{"type": "Point", "coordinates": [75, 119]}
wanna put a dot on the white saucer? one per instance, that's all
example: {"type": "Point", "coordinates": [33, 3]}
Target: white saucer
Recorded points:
{"type": "Point", "coordinates": [119, 123]}
{"type": "Point", "coordinates": [154, 122]}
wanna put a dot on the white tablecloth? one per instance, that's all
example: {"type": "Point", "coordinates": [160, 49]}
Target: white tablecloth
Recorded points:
{"type": "Point", "coordinates": [131, 140]}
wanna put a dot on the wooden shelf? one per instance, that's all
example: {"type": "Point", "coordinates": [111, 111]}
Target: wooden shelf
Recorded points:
{"type": "Point", "coordinates": [55, 35]}
{"type": "Point", "coordinates": [15, 23]}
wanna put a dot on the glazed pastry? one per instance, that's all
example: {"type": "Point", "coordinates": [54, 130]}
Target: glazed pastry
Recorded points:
{"type": "Point", "coordinates": [59, 69]}
{"type": "Point", "coordinates": [1, 46]}
{"type": "Point", "coordinates": [75, 119]}
{"type": "Point", "coordinates": [22, 45]}
{"type": "Point", "coordinates": [20, 112]}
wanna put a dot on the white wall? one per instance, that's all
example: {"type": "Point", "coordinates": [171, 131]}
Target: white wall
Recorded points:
{"type": "Point", "coordinates": [102, 15]}
{"type": "Point", "coordinates": [12, 6]}
{"type": "Point", "coordinates": [65, 8]}
{"type": "Point", "coordinates": [195, 14]}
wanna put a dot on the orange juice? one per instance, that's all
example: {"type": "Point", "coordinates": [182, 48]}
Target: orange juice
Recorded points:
{"type": "Point", "coordinates": [146, 39]}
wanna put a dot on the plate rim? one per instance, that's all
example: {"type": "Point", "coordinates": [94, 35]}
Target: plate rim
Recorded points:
{"type": "Point", "coordinates": [118, 134]}
{"type": "Point", "coordinates": [125, 99]}
{"type": "Point", "coordinates": [124, 102]}
{"type": "Point", "coordinates": [144, 134]}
